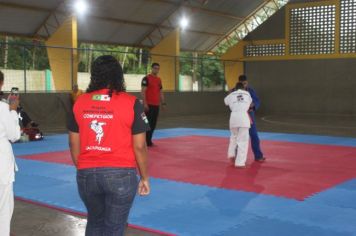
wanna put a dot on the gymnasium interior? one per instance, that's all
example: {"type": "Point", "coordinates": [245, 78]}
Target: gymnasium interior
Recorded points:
{"type": "Point", "coordinates": [298, 55]}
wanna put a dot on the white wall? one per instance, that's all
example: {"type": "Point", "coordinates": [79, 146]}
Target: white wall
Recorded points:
{"type": "Point", "coordinates": [133, 81]}
{"type": "Point", "coordinates": [35, 80]}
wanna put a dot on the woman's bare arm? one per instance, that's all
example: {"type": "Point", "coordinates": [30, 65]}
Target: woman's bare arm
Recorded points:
{"type": "Point", "coordinates": [140, 148]}
{"type": "Point", "coordinates": [74, 145]}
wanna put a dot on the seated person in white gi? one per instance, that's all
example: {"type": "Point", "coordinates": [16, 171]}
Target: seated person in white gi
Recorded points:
{"type": "Point", "coordinates": [9, 132]}
{"type": "Point", "coordinates": [239, 102]}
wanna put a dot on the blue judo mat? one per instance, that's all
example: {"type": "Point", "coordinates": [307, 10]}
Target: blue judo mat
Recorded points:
{"type": "Point", "coordinates": [54, 143]}
{"type": "Point", "coordinates": [187, 209]}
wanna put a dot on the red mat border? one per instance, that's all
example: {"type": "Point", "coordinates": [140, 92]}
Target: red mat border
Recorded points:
{"type": "Point", "coordinates": [83, 214]}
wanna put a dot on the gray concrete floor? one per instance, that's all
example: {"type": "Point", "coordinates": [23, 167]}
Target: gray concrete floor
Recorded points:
{"type": "Point", "coordinates": [279, 123]}
{"type": "Point", "coordinates": [32, 220]}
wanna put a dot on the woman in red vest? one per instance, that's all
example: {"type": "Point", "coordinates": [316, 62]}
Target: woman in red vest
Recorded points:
{"type": "Point", "coordinates": [107, 139]}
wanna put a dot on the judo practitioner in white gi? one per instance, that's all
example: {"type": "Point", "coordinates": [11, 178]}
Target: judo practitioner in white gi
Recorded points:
{"type": "Point", "coordinates": [9, 132]}
{"type": "Point", "coordinates": [239, 102]}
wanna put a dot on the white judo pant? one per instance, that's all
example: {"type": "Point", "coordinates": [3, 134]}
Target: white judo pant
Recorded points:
{"type": "Point", "coordinates": [238, 147]}
{"type": "Point", "coordinates": [6, 208]}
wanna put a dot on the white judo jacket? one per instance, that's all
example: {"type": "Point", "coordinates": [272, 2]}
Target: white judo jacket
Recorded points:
{"type": "Point", "coordinates": [9, 132]}
{"type": "Point", "coordinates": [239, 102]}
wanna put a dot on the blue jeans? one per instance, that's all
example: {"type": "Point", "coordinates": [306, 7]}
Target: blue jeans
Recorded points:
{"type": "Point", "coordinates": [255, 140]}
{"type": "Point", "coordinates": [108, 194]}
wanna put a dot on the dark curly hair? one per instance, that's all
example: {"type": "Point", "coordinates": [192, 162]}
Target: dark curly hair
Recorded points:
{"type": "Point", "coordinates": [242, 78]}
{"type": "Point", "coordinates": [1, 77]}
{"type": "Point", "coordinates": [106, 72]}
{"type": "Point", "coordinates": [239, 85]}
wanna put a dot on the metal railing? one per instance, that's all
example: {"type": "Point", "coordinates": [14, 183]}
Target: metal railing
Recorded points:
{"type": "Point", "coordinates": [27, 67]}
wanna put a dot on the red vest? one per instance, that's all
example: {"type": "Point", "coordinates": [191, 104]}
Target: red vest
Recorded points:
{"type": "Point", "coordinates": [105, 128]}
{"type": "Point", "coordinates": [153, 91]}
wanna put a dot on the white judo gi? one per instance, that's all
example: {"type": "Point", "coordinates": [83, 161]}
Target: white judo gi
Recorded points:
{"type": "Point", "coordinates": [9, 132]}
{"type": "Point", "coordinates": [239, 102]}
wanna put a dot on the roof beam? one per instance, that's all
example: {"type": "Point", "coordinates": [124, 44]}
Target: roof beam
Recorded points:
{"type": "Point", "coordinates": [24, 7]}
{"type": "Point", "coordinates": [28, 36]}
{"type": "Point", "coordinates": [44, 23]}
{"type": "Point", "coordinates": [130, 22]}
{"type": "Point", "coordinates": [121, 21]}
{"type": "Point", "coordinates": [179, 5]}
{"type": "Point", "coordinates": [215, 13]}
{"type": "Point", "coordinates": [116, 20]}
{"type": "Point", "coordinates": [261, 6]}
{"type": "Point", "coordinates": [166, 18]}
{"type": "Point", "coordinates": [50, 12]}
{"type": "Point", "coordinates": [185, 4]}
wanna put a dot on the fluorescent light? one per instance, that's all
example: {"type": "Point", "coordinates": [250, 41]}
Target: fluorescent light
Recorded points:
{"type": "Point", "coordinates": [80, 7]}
{"type": "Point", "coordinates": [184, 22]}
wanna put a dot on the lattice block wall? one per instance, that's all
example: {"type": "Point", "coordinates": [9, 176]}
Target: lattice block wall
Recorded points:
{"type": "Point", "coordinates": [265, 50]}
{"type": "Point", "coordinates": [312, 30]}
{"type": "Point", "coordinates": [348, 26]}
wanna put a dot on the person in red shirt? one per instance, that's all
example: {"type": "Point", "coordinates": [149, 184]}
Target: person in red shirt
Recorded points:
{"type": "Point", "coordinates": [153, 97]}
{"type": "Point", "coordinates": [107, 139]}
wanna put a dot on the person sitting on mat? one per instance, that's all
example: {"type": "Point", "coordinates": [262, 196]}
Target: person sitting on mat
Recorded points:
{"type": "Point", "coordinates": [239, 102]}
{"type": "Point", "coordinates": [25, 119]}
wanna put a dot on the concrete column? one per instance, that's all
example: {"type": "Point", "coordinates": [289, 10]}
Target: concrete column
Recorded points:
{"type": "Point", "coordinates": [234, 66]}
{"type": "Point", "coordinates": [63, 58]}
{"type": "Point", "coordinates": [166, 53]}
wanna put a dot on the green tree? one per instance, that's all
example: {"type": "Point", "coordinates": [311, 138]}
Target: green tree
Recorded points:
{"type": "Point", "coordinates": [23, 53]}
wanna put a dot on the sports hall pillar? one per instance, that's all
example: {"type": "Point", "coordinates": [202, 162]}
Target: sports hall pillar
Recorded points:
{"type": "Point", "coordinates": [63, 56]}
{"type": "Point", "coordinates": [234, 67]}
{"type": "Point", "coordinates": [166, 53]}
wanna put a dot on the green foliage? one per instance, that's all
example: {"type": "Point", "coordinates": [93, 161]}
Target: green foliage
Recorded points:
{"type": "Point", "coordinates": [133, 60]}
{"type": "Point", "coordinates": [213, 72]}
{"type": "Point", "coordinates": [187, 63]}
{"type": "Point", "coordinates": [208, 69]}
{"type": "Point", "coordinates": [21, 53]}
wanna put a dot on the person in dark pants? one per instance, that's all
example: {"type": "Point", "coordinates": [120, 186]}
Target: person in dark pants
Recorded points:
{"type": "Point", "coordinates": [25, 119]}
{"type": "Point", "coordinates": [153, 97]}
{"type": "Point", "coordinates": [255, 140]}
{"type": "Point", "coordinates": [107, 142]}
